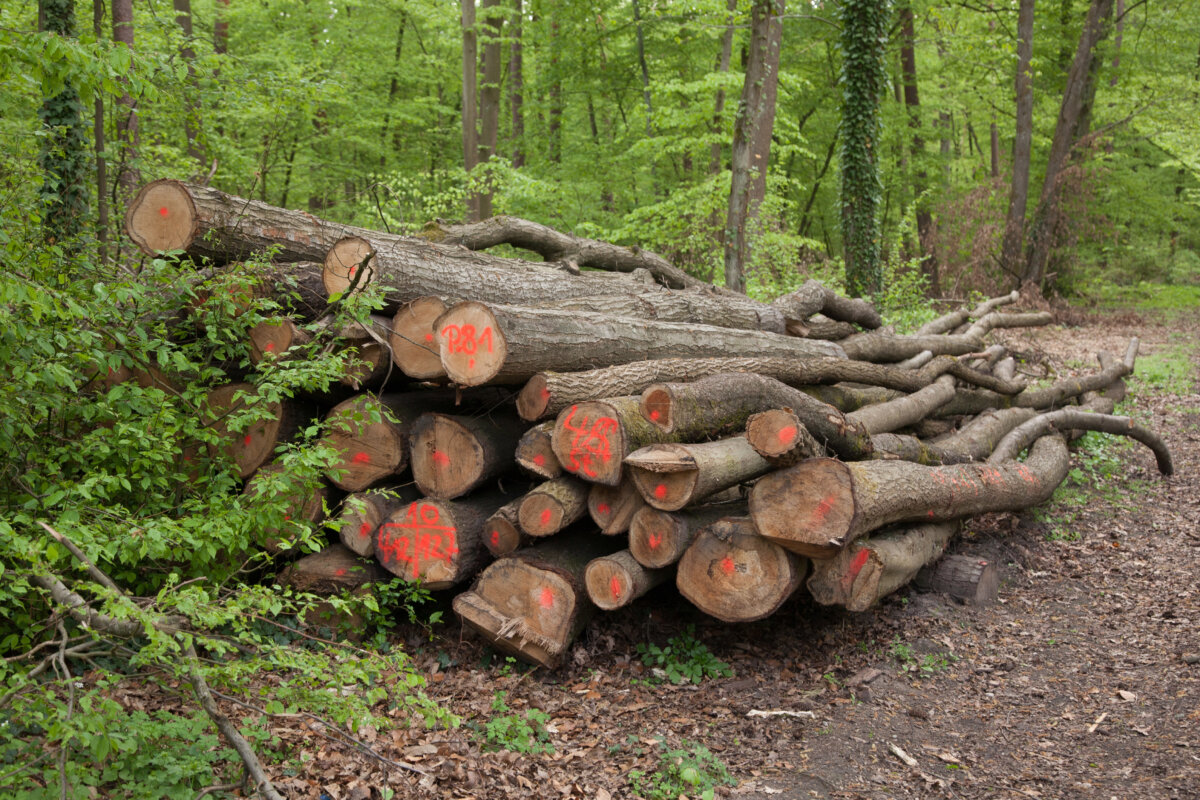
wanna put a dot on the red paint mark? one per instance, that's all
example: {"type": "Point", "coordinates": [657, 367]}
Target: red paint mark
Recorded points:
{"type": "Point", "coordinates": [858, 563]}
{"type": "Point", "coordinates": [654, 540]}
{"type": "Point", "coordinates": [545, 518]}
{"type": "Point", "coordinates": [364, 529]}
{"type": "Point", "coordinates": [429, 337]}
{"type": "Point", "coordinates": [727, 565]}
{"type": "Point", "coordinates": [351, 271]}
{"type": "Point", "coordinates": [470, 363]}
{"type": "Point", "coordinates": [654, 415]}
{"type": "Point", "coordinates": [931, 513]}
{"type": "Point", "coordinates": [545, 393]}
{"type": "Point", "coordinates": [546, 600]}
{"type": "Point", "coordinates": [162, 212]}
{"type": "Point", "coordinates": [287, 517]}
{"type": "Point", "coordinates": [270, 347]}
{"type": "Point", "coordinates": [495, 537]}
{"type": "Point", "coordinates": [614, 586]}
{"type": "Point", "coordinates": [441, 459]}
{"type": "Point", "coordinates": [823, 508]}
{"type": "Point", "coordinates": [417, 541]}
{"type": "Point", "coordinates": [660, 491]}
{"type": "Point", "coordinates": [589, 443]}
{"type": "Point", "coordinates": [462, 339]}
{"type": "Point", "coordinates": [787, 434]}
{"type": "Point", "coordinates": [540, 460]}
{"type": "Point", "coordinates": [603, 508]}
{"type": "Point", "coordinates": [339, 572]}
{"type": "Point", "coordinates": [361, 458]}
{"type": "Point", "coordinates": [247, 440]}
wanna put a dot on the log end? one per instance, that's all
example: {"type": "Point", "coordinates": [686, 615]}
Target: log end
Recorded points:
{"type": "Point", "coordinates": [501, 536]}
{"type": "Point", "coordinates": [162, 217]}
{"type": "Point", "coordinates": [613, 508]}
{"type": "Point", "coordinates": [609, 584]}
{"type": "Point", "coordinates": [535, 452]}
{"type": "Point", "coordinates": [333, 570]}
{"type": "Point", "coordinates": [447, 459]}
{"type": "Point", "coordinates": [590, 442]}
{"type": "Point", "coordinates": [656, 407]}
{"type": "Point", "coordinates": [252, 447]}
{"type": "Point", "coordinates": [666, 491]}
{"type": "Point", "coordinates": [369, 446]}
{"type": "Point", "coordinates": [419, 543]}
{"type": "Point", "coordinates": [808, 509]}
{"type": "Point", "coordinates": [656, 538]}
{"type": "Point", "coordinates": [414, 339]}
{"type": "Point", "coordinates": [774, 433]}
{"type": "Point", "coordinates": [533, 401]}
{"type": "Point", "coordinates": [271, 338]}
{"type": "Point", "coordinates": [347, 269]}
{"type": "Point", "coordinates": [541, 514]}
{"type": "Point", "coordinates": [471, 345]}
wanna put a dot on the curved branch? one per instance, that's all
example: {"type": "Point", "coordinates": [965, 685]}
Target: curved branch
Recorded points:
{"type": "Point", "coordinates": [1073, 419]}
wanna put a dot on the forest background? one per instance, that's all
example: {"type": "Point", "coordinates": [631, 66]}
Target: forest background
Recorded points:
{"type": "Point", "coordinates": [901, 137]}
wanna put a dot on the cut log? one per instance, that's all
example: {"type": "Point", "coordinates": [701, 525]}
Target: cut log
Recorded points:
{"type": "Point", "coordinates": [819, 506]}
{"type": "Point", "coordinates": [660, 538]}
{"type": "Point", "coordinates": [553, 245]}
{"type": "Point", "coordinates": [370, 435]}
{"type": "Point", "coordinates": [780, 437]}
{"type": "Point", "coordinates": [873, 567]}
{"type": "Point", "coordinates": [671, 476]}
{"type": "Point", "coordinates": [592, 439]}
{"type": "Point", "coordinates": [302, 507]}
{"type": "Point", "coordinates": [813, 297]}
{"type": "Point", "coordinates": [438, 543]}
{"type": "Point", "coordinates": [970, 579]}
{"type": "Point", "coordinates": [533, 603]}
{"type": "Point", "coordinates": [975, 442]}
{"type": "Point", "coordinates": [904, 411]}
{"type": "Point", "coordinates": [535, 452]}
{"type": "Point", "coordinates": [414, 350]}
{"type": "Point", "coordinates": [814, 328]}
{"type": "Point", "coordinates": [948, 322]}
{"type": "Point", "coordinates": [274, 337]}
{"type": "Point", "coordinates": [452, 454]}
{"type": "Point", "coordinates": [612, 508]}
{"type": "Point", "coordinates": [548, 393]}
{"type": "Point", "coordinates": [616, 581]}
{"type": "Point", "coordinates": [505, 344]}
{"type": "Point", "coordinates": [731, 573]}
{"type": "Point", "coordinates": [551, 506]}
{"type": "Point", "coordinates": [363, 512]}
{"type": "Point", "coordinates": [721, 404]}
{"type": "Point", "coordinates": [349, 266]}
{"type": "Point", "coordinates": [503, 533]}
{"type": "Point", "coordinates": [250, 446]}
{"type": "Point", "coordinates": [880, 348]}
{"type": "Point", "coordinates": [332, 571]}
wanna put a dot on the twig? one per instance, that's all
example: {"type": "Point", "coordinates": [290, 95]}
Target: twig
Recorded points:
{"type": "Point", "coordinates": [93, 571]}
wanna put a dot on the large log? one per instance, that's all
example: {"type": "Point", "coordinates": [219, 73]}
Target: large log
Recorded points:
{"type": "Point", "coordinates": [535, 452]}
{"type": "Point", "coordinates": [505, 344]}
{"type": "Point", "coordinates": [612, 508]}
{"type": "Point", "coordinates": [617, 580]}
{"type": "Point", "coordinates": [660, 538]}
{"type": "Point", "coordinates": [592, 439]}
{"type": "Point", "coordinates": [362, 513]}
{"type": "Point", "coordinates": [453, 454]}
{"type": "Point", "coordinates": [413, 338]}
{"type": "Point", "coordinates": [249, 446]}
{"type": "Point", "coordinates": [731, 573]}
{"type": "Point", "coordinates": [548, 393]}
{"type": "Point", "coordinates": [671, 476]}
{"type": "Point", "coordinates": [533, 603]}
{"type": "Point", "coordinates": [819, 506]}
{"type": "Point", "coordinates": [438, 542]}
{"type": "Point", "coordinates": [551, 506]}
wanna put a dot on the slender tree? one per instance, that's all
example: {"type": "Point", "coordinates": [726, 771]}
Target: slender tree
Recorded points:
{"type": "Point", "coordinates": [183, 17]}
{"type": "Point", "coordinates": [864, 75]}
{"type": "Point", "coordinates": [489, 98]}
{"type": "Point", "coordinates": [1014, 227]}
{"type": "Point", "coordinates": [714, 159]}
{"type": "Point", "coordinates": [470, 112]}
{"type": "Point", "coordinates": [516, 87]}
{"type": "Point", "coordinates": [912, 103]}
{"type": "Point", "coordinates": [64, 159]}
{"type": "Point", "coordinates": [128, 127]}
{"type": "Point", "coordinates": [98, 136]}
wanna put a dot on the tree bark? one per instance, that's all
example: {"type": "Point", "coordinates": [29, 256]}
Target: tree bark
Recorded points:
{"type": "Point", "coordinates": [617, 580]}
{"type": "Point", "coordinates": [641, 55]}
{"type": "Point", "coordinates": [535, 453]}
{"type": "Point", "coordinates": [970, 579]}
{"type": "Point", "coordinates": [551, 506]}
{"type": "Point", "coordinates": [819, 506]}
{"type": "Point", "coordinates": [974, 442]}
{"type": "Point", "coordinates": [731, 573]}
{"type": "Point", "coordinates": [470, 108]}
{"type": "Point", "coordinates": [660, 538]}
{"type": "Point", "coordinates": [183, 18]}
{"type": "Point", "coordinates": [714, 159]}
{"type": "Point", "coordinates": [672, 476]}
{"type": "Point", "coordinates": [1012, 249]}
{"type": "Point", "coordinates": [904, 411]}
{"type": "Point", "coordinates": [912, 103]}
{"type": "Point", "coordinates": [128, 127]}
{"type": "Point", "coordinates": [504, 344]}
{"type": "Point", "coordinates": [438, 543]}
{"type": "Point", "coordinates": [879, 348]}
{"type": "Point", "coordinates": [613, 508]}
{"type": "Point", "coordinates": [489, 99]}
{"type": "Point", "coordinates": [813, 297]}
{"type": "Point", "coordinates": [533, 603]}
{"type": "Point", "coordinates": [451, 455]}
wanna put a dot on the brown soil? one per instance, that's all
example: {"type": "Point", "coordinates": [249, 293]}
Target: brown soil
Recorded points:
{"type": "Point", "coordinates": [1083, 681]}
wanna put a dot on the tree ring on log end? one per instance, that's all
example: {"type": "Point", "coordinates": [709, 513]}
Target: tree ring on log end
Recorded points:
{"type": "Point", "coordinates": [613, 508]}
{"type": "Point", "coordinates": [342, 263]}
{"type": "Point", "coordinates": [500, 536]}
{"type": "Point", "coordinates": [369, 445]}
{"type": "Point", "coordinates": [656, 407]}
{"type": "Point", "coordinates": [773, 433]}
{"type": "Point", "coordinates": [666, 491]}
{"type": "Point", "coordinates": [446, 456]}
{"type": "Point", "coordinates": [533, 399]}
{"type": "Point", "coordinates": [654, 537]}
{"type": "Point", "coordinates": [250, 448]}
{"type": "Point", "coordinates": [162, 217]}
{"type": "Point", "coordinates": [419, 543]}
{"type": "Point", "coordinates": [608, 583]}
{"type": "Point", "coordinates": [471, 345]}
{"type": "Point", "coordinates": [808, 509]}
{"type": "Point", "coordinates": [540, 514]}
{"type": "Point", "coordinates": [414, 340]}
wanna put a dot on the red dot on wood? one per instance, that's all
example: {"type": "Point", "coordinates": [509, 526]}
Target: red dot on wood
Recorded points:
{"type": "Point", "coordinates": [270, 347]}
{"type": "Point", "coordinates": [858, 563]}
{"type": "Point", "coordinates": [495, 538]}
{"type": "Point", "coordinates": [162, 212]}
{"type": "Point", "coordinates": [470, 363]}
{"type": "Point", "coordinates": [361, 458]}
{"type": "Point", "coordinates": [364, 529]}
{"type": "Point", "coordinates": [660, 491]}
{"type": "Point", "coordinates": [654, 415]}
{"type": "Point", "coordinates": [727, 565]}
{"type": "Point", "coordinates": [540, 460]}
{"type": "Point", "coordinates": [545, 393]}
{"type": "Point", "coordinates": [787, 434]}
{"type": "Point", "coordinates": [429, 337]}
{"type": "Point", "coordinates": [654, 540]}
{"type": "Point", "coordinates": [340, 571]}
{"type": "Point", "coordinates": [247, 440]}
{"type": "Point", "coordinates": [547, 597]}
{"type": "Point", "coordinates": [352, 271]}
{"type": "Point", "coordinates": [440, 458]}
{"type": "Point", "coordinates": [603, 508]}
{"type": "Point", "coordinates": [545, 516]}
{"type": "Point", "coordinates": [614, 586]}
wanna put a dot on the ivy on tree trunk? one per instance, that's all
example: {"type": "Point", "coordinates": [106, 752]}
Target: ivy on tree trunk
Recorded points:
{"type": "Point", "coordinates": [64, 159]}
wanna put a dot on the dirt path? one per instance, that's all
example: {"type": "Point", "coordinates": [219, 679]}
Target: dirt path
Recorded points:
{"type": "Point", "coordinates": [1082, 682]}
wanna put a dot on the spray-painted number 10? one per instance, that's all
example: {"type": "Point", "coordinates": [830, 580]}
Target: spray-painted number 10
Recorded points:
{"type": "Point", "coordinates": [462, 339]}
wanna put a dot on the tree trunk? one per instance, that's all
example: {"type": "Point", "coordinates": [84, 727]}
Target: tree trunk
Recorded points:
{"type": "Point", "coordinates": [516, 88]}
{"type": "Point", "coordinates": [414, 350]}
{"type": "Point", "coordinates": [912, 103]}
{"type": "Point", "coordinates": [102, 221]}
{"type": "Point", "coordinates": [819, 506]}
{"type": "Point", "coordinates": [128, 129]}
{"type": "Point", "coordinates": [731, 573]}
{"type": "Point", "coordinates": [437, 543]}
{"type": "Point", "coordinates": [489, 99]}
{"type": "Point", "coordinates": [780, 437]}
{"type": "Point", "coordinates": [363, 512]}
{"type": "Point", "coordinates": [592, 439]}
{"type": "Point", "coordinates": [714, 159]}
{"type": "Point", "coordinates": [616, 581]}
{"type": "Point", "coordinates": [451, 455]}
{"type": "Point", "coordinates": [64, 192]}
{"type": "Point", "coordinates": [332, 571]}
{"type": "Point", "coordinates": [535, 453]}
{"type": "Point", "coordinates": [504, 344]}
{"type": "Point", "coordinates": [970, 579]}
{"type": "Point", "coordinates": [660, 538]}
{"type": "Point", "coordinates": [249, 447]}
{"type": "Point", "coordinates": [551, 506]}
{"type": "Point", "coordinates": [503, 534]}
{"type": "Point", "coordinates": [641, 55]}
{"type": "Point", "coordinates": [672, 476]}
{"type": "Point", "coordinates": [221, 28]}
{"type": "Point", "coordinates": [470, 110]}
{"type": "Point", "coordinates": [183, 18]}
{"type": "Point", "coordinates": [533, 603]}
{"type": "Point", "coordinates": [1012, 249]}
{"type": "Point", "coordinates": [904, 411]}
{"type": "Point", "coordinates": [613, 508]}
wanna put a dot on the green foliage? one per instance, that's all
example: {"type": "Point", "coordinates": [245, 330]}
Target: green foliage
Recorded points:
{"type": "Point", "coordinates": [685, 658]}
{"type": "Point", "coordinates": [688, 771]}
{"type": "Point", "coordinates": [520, 733]}
{"type": "Point", "coordinates": [924, 666]}
{"type": "Point", "coordinates": [388, 602]}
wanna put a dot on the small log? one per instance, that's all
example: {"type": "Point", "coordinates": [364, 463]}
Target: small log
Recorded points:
{"type": "Point", "coordinates": [304, 506]}
{"type": "Point", "coordinates": [612, 508]}
{"type": "Point", "coordinates": [721, 404]}
{"type": "Point", "coordinates": [453, 454]}
{"type": "Point", "coordinates": [349, 266]}
{"type": "Point", "coordinates": [363, 512]}
{"type": "Point", "coordinates": [368, 355]}
{"type": "Point", "coordinates": [814, 328]}
{"type": "Point", "coordinates": [970, 579]}
{"type": "Point", "coordinates": [948, 322]}
{"type": "Point", "coordinates": [814, 296]}
{"type": "Point", "coordinates": [551, 506]}
{"type": "Point", "coordinates": [332, 571]}
{"type": "Point", "coordinates": [848, 397]}
{"type": "Point", "coordinates": [438, 543]}
{"type": "Point", "coordinates": [274, 337]}
{"type": "Point", "coordinates": [414, 349]}
{"type": "Point", "coordinates": [249, 447]}
{"type": "Point", "coordinates": [616, 581]}
{"type": "Point", "coordinates": [1071, 418]}
{"type": "Point", "coordinates": [504, 344]}
{"type": "Point", "coordinates": [671, 476]}
{"type": "Point", "coordinates": [780, 437]}
{"type": "Point", "coordinates": [370, 435]}
{"type": "Point", "coordinates": [875, 566]}
{"type": "Point", "coordinates": [904, 411]}
{"type": "Point", "coordinates": [819, 506]}
{"type": "Point", "coordinates": [592, 439]}
{"type": "Point", "coordinates": [535, 452]}
{"type": "Point", "coordinates": [731, 573]}
{"type": "Point", "coordinates": [880, 348]}
{"type": "Point", "coordinates": [974, 442]}
{"type": "Point", "coordinates": [996, 319]}
{"type": "Point", "coordinates": [660, 538]}
{"type": "Point", "coordinates": [503, 530]}
{"type": "Point", "coordinates": [533, 603]}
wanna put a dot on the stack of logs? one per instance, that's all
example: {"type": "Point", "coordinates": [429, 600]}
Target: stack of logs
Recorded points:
{"type": "Point", "coordinates": [574, 432]}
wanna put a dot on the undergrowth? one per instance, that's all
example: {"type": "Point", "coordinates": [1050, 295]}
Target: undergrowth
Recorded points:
{"type": "Point", "coordinates": [691, 770]}
{"type": "Point", "coordinates": [685, 658]}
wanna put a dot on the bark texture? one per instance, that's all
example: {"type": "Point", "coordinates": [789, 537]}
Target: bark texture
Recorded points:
{"type": "Point", "coordinates": [617, 580]}
{"type": "Point", "coordinates": [672, 476]}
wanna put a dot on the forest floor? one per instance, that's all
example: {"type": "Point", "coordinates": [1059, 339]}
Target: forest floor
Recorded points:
{"type": "Point", "coordinates": [1083, 681]}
